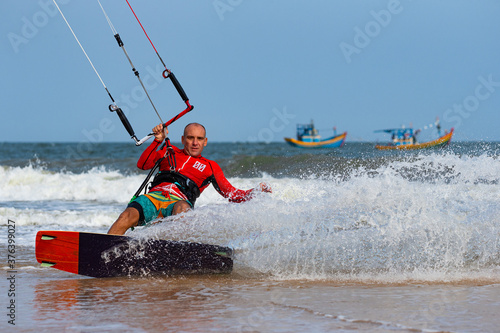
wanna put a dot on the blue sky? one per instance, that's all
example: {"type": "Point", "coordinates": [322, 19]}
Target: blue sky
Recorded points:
{"type": "Point", "coordinates": [252, 69]}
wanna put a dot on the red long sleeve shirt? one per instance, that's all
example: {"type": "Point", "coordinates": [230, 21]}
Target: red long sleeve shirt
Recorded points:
{"type": "Point", "coordinates": [198, 169]}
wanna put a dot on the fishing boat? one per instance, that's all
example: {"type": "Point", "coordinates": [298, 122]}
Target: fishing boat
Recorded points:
{"type": "Point", "coordinates": [308, 137]}
{"type": "Point", "coordinates": [406, 139]}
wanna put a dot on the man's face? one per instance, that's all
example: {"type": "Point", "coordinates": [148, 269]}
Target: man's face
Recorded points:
{"type": "Point", "coordinates": [194, 140]}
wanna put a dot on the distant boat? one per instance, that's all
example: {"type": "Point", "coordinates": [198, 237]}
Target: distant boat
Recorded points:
{"type": "Point", "coordinates": [406, 139]}
{"type": "Point", "coordinates": [308, 137]}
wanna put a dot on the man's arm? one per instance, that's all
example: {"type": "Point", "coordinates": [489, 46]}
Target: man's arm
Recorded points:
{"type": "Point", "coordinates": [224, 187]}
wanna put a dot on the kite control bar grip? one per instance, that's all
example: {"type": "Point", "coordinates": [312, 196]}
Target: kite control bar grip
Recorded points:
{"type": "Point", "coordinates": [144, 139]}
{"type": "Point", "coordinates": [177, 85]}
{"type": "Point", "coordinates": [125, 122]}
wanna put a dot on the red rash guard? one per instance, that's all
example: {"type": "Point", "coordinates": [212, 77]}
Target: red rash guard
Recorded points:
{"type": "Point", "coordinates": [198, 169]}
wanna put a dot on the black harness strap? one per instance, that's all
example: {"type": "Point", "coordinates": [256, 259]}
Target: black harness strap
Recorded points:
{"type": "Point", "coordinates": [186, 185]}
{"type": "Point", "coordinates": [170, 154]}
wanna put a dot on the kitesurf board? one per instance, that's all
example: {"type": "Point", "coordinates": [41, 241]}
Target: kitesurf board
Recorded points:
{"type": "Point", "coordinates": [102, 255]}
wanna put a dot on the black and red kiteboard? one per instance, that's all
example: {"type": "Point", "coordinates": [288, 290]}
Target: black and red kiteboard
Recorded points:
{"type": "Point", "coordinates": [102, 255]}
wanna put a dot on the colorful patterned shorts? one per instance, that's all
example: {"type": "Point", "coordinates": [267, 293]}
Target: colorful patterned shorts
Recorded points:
{"type": "Point", "coordinates": [154, 205]}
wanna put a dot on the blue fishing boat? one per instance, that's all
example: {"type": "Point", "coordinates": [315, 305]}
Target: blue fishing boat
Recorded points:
{"type": "Point", "coordinates": [308, 137]}
{"type": "Point", "coordinates": [406, 138]}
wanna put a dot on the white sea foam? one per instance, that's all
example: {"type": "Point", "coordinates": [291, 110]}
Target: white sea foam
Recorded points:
{"type": "Point", "coordinates": [34, 184]}
{"type": "Point", "coordinates": [441, 224]}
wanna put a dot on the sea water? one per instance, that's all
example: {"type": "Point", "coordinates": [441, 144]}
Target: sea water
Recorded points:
{"type": "Point", "coordinates": [350, 239]}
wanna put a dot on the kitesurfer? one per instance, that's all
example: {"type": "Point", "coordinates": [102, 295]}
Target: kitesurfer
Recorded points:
{"type": "Point", "coordinates": [181, 179]}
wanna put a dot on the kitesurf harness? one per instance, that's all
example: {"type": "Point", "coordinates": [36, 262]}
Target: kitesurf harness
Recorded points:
{"type": "Point", "coordinates": [187, 186]}
{"type": "Point", "coordinates": [183, 183]}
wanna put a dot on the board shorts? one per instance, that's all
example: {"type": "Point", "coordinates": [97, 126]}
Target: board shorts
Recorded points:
{"type": "Point", "coordinates": [154, 205]}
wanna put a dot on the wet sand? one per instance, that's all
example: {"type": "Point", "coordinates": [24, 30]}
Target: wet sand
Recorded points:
{"type": "Point", "coordinates": [48, 300]}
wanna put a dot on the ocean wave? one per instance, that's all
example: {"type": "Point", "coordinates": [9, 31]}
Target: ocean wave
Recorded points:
{"type": "Point", "coordinates": [67, 219]}
{"type": "Point", "coordinates": [421, 217]}
{"type": "Point", "coordinates": [36, 183]}
{"type": "Point", "coordinates": [415, 167]}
